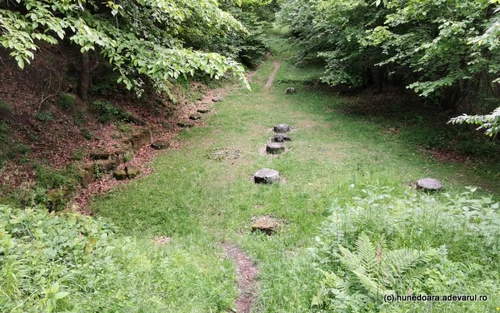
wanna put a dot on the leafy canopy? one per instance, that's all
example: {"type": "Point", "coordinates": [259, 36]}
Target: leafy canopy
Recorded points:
{"type": "Point", "coordinates": [447, 51]}
{"type": "Point", "coordinates": [143, 37]}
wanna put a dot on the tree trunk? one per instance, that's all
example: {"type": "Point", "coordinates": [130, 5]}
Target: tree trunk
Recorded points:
{"type": "Point", "coordinates": [380, 78]}
{"type": "Point", "coordinates": [367, 76]}
{"type": "Point", "coordinates": [83, 87]}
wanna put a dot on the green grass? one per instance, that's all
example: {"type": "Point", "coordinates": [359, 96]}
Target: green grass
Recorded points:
{"type": "Point", "coordinates": [340, 169]}
{"type": "Point", "coordinates": [200, 203]}
{"type": "Point", "coordinates": [191, 197]}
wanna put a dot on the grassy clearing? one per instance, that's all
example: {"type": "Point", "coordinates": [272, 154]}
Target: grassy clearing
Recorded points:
{"type": "Point", "coordinates": [200, 202]}
{"type": "Point", "coordinates": [344, 177]}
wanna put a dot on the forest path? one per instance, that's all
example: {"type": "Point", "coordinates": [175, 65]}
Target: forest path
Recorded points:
{"type": "Point", "coordinates": [270, 81]}
{"type": "Point", "coordinates": [201, 193]}
{"type": "Point", "coordinates": [246, 274]}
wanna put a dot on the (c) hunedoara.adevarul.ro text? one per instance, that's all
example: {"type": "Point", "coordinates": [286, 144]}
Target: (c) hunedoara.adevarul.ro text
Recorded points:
{"type": "Point", "coordinates": [442, 298]}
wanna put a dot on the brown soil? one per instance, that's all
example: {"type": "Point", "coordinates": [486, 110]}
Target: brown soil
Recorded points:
{"type": "Point", "coordinates": [247, 277]}
{"type": "Point", "coordinates": [270, 81]}
{"type": "Point", "coordinates": [141, 159]}
{"type": "Point", "coordinates": [54, 142]}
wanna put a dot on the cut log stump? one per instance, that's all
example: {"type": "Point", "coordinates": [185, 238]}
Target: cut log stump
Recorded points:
{"type": "Point", "coordinates": [281, 138]}
{"type": "Point", "coordinates": [275, 148]}
{"type": "Point", "coordinates": [281, 128]}
{"type": "Point", "coordinates": [429, 184]}
{"type": "Point", "coordinates": [265, 224]}
{"type": "Point", "coordinates": [266, 176]}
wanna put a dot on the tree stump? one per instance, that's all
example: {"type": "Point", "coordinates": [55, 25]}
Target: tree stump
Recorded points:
{"type": "Point", "coordinates": [289, 90]}
{"type": "Point", "coordinates": [281, 128]}
{"type": "Point", "coordinates": [429, 184]}
{"type": "Point", "coordinates": [281, 138]}
{"type": "Point", "coordinates": [265, 224]}
{"type": "Point", "coordinates": [266, 176]}
{"type": "Point", "coordinates": [275, 148]}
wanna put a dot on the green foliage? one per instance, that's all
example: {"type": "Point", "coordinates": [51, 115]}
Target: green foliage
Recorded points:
{"type": "Point", "coordinates": [365, 276]}
{"type": "Point", "coordinates": [4, 143]}
{"type": "Point", "coordinates": [104, 85]}
{"type": "Point", "coordinates": [249, 48]}
{"type": "Point", "coordinates": [446, 51]}
{"type": "Point", "coordinates": [125, 128]}
{"type": "Point", "coordinates": [10, 148]}
{"type": "Point", "coordinates": [98, 172]}
{"type": "Point", "coordinates": [3, 131]}
{"type": "Point", "coordinates": [5, 106]}
{"type": "Point", "coordinates": [86, 134]}
{"type": "Point", "coordinates": [45, 116]}
{"type": "Point", "coordinates": [138, 38]}
{"type": "Point", "coordinates": [427, 236]}
{"type": "Point", "coordinates": [107, 112]}
{"type": "Point", "coordinates": [127, 157]}
{"type": "Point", "coordinates": [78, 154]}
{"type": "Point", "coordinates": [73, 263]}
{"type": "Point", "coordinates": [490, 123]}
{"type": "Point", "coordinates": [50, 178]}
{"type": "Point", "coordinates": [66, 102]}
{"type": "Point", "coordinates": [18, 149]}
{"type": "Point", "coordinates": [79, 118]}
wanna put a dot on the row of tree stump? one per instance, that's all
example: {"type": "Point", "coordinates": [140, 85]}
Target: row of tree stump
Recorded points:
{"type": "Point", "coordinates": [276, 146]}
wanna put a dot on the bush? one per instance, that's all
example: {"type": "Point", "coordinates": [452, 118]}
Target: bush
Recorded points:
{"type": "Point", "coordinates": [66, 102]}
{"type": "Point", "coordinates": [79, 118]}
{"type": "Point", "coordinates": [44, 116]}
{"type": "Point", "coordinates": [86, 134]}
{"type": "Point", "coordinates": [417, 244]}
{"type": "Point", "coordinates": [107, 112]}
{"type": "Point", "coordinates": [73, 263]}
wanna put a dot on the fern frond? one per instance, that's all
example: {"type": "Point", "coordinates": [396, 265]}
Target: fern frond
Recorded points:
{"type": "Point", "coordinates": [349, 259]}
{"type": "Point", "coordinates": [398, 262]}
{"type": "Point", "coordinates": [373, 288]}
{"type": "Point", "coordinates": [368, 255]}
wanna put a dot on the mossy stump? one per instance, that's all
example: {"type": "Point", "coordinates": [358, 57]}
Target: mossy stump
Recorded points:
{"type": "Point", "coordinates": [128, 172]}
{"type": "Point", "coordinates": [105, 166]}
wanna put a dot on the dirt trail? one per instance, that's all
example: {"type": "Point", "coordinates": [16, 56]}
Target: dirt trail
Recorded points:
{"type": "Point", "coordinates": [270, 81]}
{"type": "Point", "coordinates": [247, 277]}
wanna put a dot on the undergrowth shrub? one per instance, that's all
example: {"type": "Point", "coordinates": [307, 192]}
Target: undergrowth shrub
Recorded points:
{"type": "Point", "coordinates": [72, 263]}
{"type": "Point", "coordinates": [45, 116]}
{"type": "Point", "coordinates": [66, 102]}
{"type": "Point", "coordinates": [381, 244]}
{"type": "Point", "coordinates": [107, 112]}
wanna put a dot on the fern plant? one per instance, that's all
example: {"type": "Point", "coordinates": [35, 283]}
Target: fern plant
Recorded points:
{"type": "Point", "coordinates": [365, 275]}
